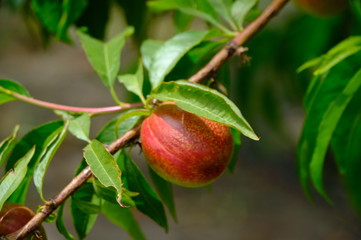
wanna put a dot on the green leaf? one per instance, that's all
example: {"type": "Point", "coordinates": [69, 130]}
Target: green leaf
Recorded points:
{"type": "Point", "coordinates": [45, 159]}
{"type": "Point", "coordinates": [205, 102]}
{"type": "Point", "coordinates": [147, 201]}
{"type": "Point", "coordinates": [137, 114]}
{"type": "Point", "coordinates": [61, 226]}
{"type": "Point", "coordinates": [103, 166]}
{"type": "Point", "coordinates": [80, 126]}
{"type": "Point", "coordinates": [13, 86]}
{"type": "Point", "coordinates": [112, 130]}
{"type": "Point", "coordinates": [324, 110]}
{"type": "Point", "coordinates": [171, 52]}
{"type": "Point", "coordinates": [165, 191]}
{"type": "Point", "coordinates": [124, 218]}
{"type": "Point", "coordinates": [236, 144]}
{"type": "Point", "coordinates": [134, 82]}
{"type": "Point", "coordinates": [148, 49]}
{"type": "Point", "coordinates": [240, 9]}
{"type": "Point", "coordinates": [58, 16]}
{"type": "Point", "coordinates": [105, 57]}
{"type": "Point", "coordinates": [197, 8]}
{"type": "Point", "coordinates": [13, 178]}
{"type": "Point", "coordinates": [7, 145]}
{"type": "Point", "coordinates": [341, 51]}
{"type": "Point", "coordinates": [223, 9]}
{"type": "Point", "coordinates": [41, 137]}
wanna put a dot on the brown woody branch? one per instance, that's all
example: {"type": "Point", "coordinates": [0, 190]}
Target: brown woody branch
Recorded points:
{"type": "Point", "coordinates": [231, 48]}
{"type": "Point", "coordinates": [228, 51]}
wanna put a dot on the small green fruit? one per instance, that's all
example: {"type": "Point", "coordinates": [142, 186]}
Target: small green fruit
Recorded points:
{"type": "Point", "coordinates": [184, 148]}
{"type": "Point", "coordinates": [322, 8]}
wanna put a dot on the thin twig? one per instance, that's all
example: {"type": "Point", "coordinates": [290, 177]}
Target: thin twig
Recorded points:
{"type": "Point", "coordinates": [55, 106]}
{"type": "Point", "coordinates": [76, 182]}
{"type": "Point", "coordinates": [230, 49]}
{"type": "Point", "coordinates": [209, 69]}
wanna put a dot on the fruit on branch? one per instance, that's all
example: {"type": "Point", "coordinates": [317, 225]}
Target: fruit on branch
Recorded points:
{"type": "Point", "coordinates": [15, 216]}
{"type": "Point", "coordinates": [184, 148]}
{"type": "Point", "coordinates": [322, 8]}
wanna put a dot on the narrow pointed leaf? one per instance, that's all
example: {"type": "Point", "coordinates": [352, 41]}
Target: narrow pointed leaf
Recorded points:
{"type": "Point", "coordinates": [13, 86]}
{"type": "Point", "coordinates": [13, 178]}
{"type": "Point", "coordinates": [103, 166]}
{"type": "Point", "coordinates": [45, 159]}
{"type": "Point", "coordinates": [61, 226]}
{"type": "Point", "coordinates": [148, 49]}
{"type": "Point", "coordinates": [7, 145]}
{"type": "Point", "coordinates": [165, 191]}
{"type": "Point", "coordinates": [171, 52]}
{"type": "Point", "coordinates": [147, 201]}
{"type": "Point", "coordinates": [105, 57]}
{"type": "Point", "coordinates": [123, 218]}
{"type": "Point", "coordinates": [205, 102]}
{"type": "Point", "coordinates": [239, 10]}
{"type": "Point", "coordinates": [223, 9]}
{"type": "Point", "coordinates": [40, 137]}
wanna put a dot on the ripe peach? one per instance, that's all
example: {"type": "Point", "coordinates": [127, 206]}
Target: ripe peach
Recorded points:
{"type": "Point", "coordinates": [184, 148]}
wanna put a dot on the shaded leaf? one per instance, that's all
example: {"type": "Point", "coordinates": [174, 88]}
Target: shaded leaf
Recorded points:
{"type": "Point", "coordinates": [103, 166]}
{"type": "Point", "coordinates": [223, 9]}
{"type": "Point", "coordinates": [45, 159]}
{"type": "Point", "coordinates": [58, 16]}
{"type": "Point", "coordinates": [40, 137]}
{"type": "Point", "coordinates": [205, 102]}
{"type": "Point", "coordinates": [236, 145]}
{"type": "Point", "coordinates": [13, 86]}
{"type": "Point", "coordinates": [170, 52]}
{"type": "Point", "coordinates": [7, 145]}
{"type": "Point", "coordinates": [123, 218]}
{"type": "Point", "coordinates": [13, 178]}
{"type": "Point", "coordinates": [324, 109]}
{"type": "Point", "coordinates": [61, 226]}
{"type": "Point", "coordinates": [165, 191]}
{"type": "Point", "coordinates": [147, 201]}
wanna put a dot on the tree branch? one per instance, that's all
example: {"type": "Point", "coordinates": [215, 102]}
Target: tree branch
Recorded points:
{"type": "Point", "coordinates": [231, 48]}
{"type": "Point", "coordinates": [228, 51]}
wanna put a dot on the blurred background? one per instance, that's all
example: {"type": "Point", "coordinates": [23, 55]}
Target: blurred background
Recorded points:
{"type": "Point", "coordinates": [262, 199]}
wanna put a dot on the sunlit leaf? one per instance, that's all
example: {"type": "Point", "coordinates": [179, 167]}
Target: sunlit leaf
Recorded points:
{"type": "Point", "coordinates": [7, 145]}
{"type": "Point", "coordinates": [147, 201]}
{"type": "Point", "coordinates": [205, 102]}
{"type": "Point", "coordinates": [148, 49]}
{"type": "Point", "coordinates": [103, 166]}
{"type": "Point", "coordinates": [13, 86]}
{"type": "Point", "coordinates": [105, 57]}
{"type": "Point", "coordinates": [134, 82]}
{"type": "Point", "coordinates": [45, 159]}
{"type": "Point", "coordinates": [240, 9]}
{"type": "Point", "coordinates": [170, 52]}
{"type": "Point", "coordinates": [123, 218]}
{"type": "Point", "coordinates": [80, 127]}
{"type": "Point", "coordinates": [13, 178]}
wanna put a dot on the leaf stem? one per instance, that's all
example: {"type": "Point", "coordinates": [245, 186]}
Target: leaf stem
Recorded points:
{"type": "Point", "coordinates": [54, 106]}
